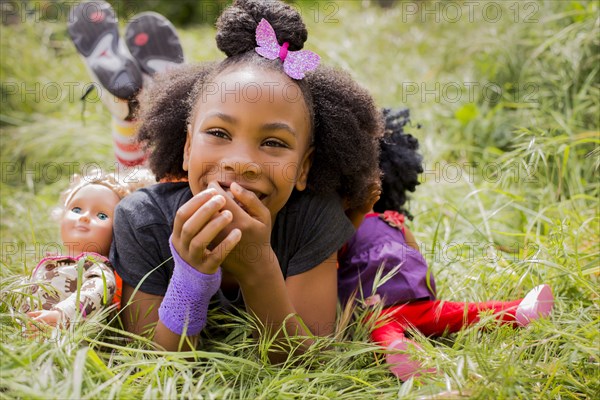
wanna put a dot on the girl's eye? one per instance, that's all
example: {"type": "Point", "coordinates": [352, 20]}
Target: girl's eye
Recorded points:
{"type": "Point", "coordinates": [274, 143]}
{"type": "Point", "coordinates": [217, 133]}
{"type": "Point", "coordinates": [76, 210]}
{"type": "Point", "coordinates": [102, 216]}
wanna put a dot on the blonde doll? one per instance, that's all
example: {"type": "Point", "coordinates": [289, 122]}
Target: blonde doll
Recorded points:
{"type": "Point", "coordinates": [56, 294]}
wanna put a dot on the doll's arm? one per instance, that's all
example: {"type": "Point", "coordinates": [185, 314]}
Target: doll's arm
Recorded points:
{"type": "Point", "coordinates": [97, 290]}
{"type": "Point", "coordinates": [47, 317]}
{"type": "Point", "coordinates": [410, 239]}
{"type": "Point", "coordinates": [356, 215]}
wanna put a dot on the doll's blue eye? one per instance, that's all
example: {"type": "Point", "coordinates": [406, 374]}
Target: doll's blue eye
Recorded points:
{"type": "Point", "coordinates": [102, 216]}
{"type": "Point", "coordinates": [76, 210]}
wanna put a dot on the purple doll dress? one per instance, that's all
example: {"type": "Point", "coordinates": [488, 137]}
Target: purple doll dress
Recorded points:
{"type": "Point", "coordinates": [378, 243]}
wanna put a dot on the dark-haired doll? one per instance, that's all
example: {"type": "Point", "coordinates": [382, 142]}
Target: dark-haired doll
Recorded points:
{"type": "Point", "coordinates": [383, 247]}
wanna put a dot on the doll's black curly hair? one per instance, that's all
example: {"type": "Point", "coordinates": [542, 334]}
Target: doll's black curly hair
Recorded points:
{"type": "Point", "coordinates": [399, 161]}
{"type": "Point", "coordinates": [346, 123]}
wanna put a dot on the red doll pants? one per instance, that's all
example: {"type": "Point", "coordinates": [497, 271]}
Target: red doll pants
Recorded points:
{"type": "Point", "coordinates": [436, 317]}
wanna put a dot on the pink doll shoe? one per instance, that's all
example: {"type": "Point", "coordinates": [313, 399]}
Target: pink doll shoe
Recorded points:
{"type": "Point", "coordinates": [536, 304]}
{"type": "Point", "coordinates": [402, 362]}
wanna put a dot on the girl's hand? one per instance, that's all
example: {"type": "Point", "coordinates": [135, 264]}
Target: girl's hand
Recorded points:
{"type": "Point", "coordinates": [197, 223]}
{"type": "Point", "coordinates": [253, 219]}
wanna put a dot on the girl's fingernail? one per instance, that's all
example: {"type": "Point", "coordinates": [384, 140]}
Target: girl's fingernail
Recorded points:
{"type": "Point", "coordinates": [227, 214]}
{"type": "Point", "coordinates": [218, 199]}
{"type": "Point", "coordinates": [236, 187]}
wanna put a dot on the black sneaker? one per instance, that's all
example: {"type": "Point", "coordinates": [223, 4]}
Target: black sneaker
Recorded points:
{"type": "Point", "coordinates": [95, 33]}
{"type": "Point", "coordinates": [153, 42]}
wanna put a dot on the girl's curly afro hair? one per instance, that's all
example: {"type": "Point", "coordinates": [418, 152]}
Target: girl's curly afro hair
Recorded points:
{"type": "Point", "coordinates": [345, 121]}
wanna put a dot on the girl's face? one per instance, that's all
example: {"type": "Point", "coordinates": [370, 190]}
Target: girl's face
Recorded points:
{"type": "Point", "coordinates": [87, 222]}
{"type": "Point", "coordinates": [251, 127]}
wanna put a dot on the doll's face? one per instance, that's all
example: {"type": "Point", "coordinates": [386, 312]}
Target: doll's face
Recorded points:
{"type": "Point", "coordinates": [251, 127]}
{"type": "Point", "coordinates": [86, 225]}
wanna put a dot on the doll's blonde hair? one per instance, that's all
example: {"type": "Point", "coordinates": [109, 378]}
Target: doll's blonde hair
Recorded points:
{"type": "Point", "coordinates": [129, 183]}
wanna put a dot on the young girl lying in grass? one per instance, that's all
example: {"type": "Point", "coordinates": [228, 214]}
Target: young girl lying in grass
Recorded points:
{"type": "Point", "coordinates": [383, 263]}
{"type": "Point", "coordinates": [82, 280]}
{"type": "Point", "coordinates": [257, 215]}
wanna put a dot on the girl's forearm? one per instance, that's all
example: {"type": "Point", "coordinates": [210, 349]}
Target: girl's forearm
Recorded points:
{"type": "Point", "coordinates": [140, 316]}
{"type": "Point", "coordinates": [171, 341]}
{"type": "Point", "coordinates": [185, 305]}
{"type": "Point", "coordinates": [266, 297]}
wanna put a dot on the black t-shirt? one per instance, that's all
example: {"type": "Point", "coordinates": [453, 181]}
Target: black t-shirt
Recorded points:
{"type": "Point", "coordinates": [307, 230]}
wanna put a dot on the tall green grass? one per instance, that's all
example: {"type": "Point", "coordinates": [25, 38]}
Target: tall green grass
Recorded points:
{"type": "Point", "coordinates": [509, 200]}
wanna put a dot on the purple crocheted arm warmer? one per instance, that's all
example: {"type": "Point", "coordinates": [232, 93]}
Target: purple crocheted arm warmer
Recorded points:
{"type": "Point", "coordinates": [185, 304]}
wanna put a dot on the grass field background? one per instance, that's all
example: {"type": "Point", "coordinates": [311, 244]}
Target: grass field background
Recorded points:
{"type": "Point", "coordinates": [506, 95]}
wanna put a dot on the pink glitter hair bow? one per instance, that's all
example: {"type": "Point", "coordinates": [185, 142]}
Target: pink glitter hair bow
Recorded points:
{"type": "Point", "coordinates": [295, 63]}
